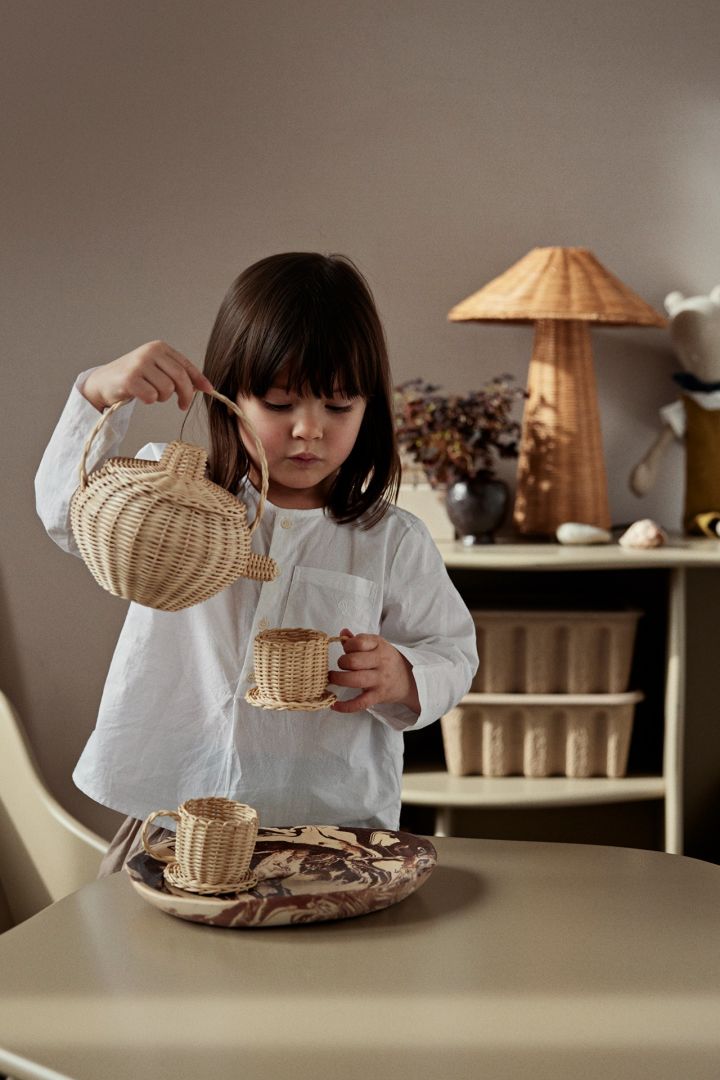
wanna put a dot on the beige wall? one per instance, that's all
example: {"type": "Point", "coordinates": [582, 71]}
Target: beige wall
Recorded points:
{"type": "Point", "coordinates": [154, 149]}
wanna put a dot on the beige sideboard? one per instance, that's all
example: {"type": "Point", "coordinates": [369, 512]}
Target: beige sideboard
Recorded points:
{"type": "Point", "coordinates": [516, 573]}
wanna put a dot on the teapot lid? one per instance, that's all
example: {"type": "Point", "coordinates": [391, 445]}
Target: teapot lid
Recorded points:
{"type": "Point", "coordinates": [179, 477]}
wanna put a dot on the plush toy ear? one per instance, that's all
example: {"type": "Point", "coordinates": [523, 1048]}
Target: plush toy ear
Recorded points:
{"type": "Point", "coordinates": [715, 294]}
{"type": "Point", "coordinates": [673, 301]}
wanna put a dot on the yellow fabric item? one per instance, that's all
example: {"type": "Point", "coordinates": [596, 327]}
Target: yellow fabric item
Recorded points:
{"type": "Point", "coordinates": [707, 524]}
{"type": "Point", "coordinates": [702, 465]}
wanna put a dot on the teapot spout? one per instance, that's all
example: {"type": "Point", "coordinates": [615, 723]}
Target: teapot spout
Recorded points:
{"type": "Point", "coordinates": [260, 568]}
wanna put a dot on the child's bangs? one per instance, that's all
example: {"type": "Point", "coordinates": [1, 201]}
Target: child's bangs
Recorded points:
{"type": "Point", "coordinates": [323, 371]}
{"type": "Point", "coordinates": [319, 366]}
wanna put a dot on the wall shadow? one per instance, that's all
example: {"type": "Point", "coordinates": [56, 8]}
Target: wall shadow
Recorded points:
{"type": "Point", "coordinates": [12, 682]}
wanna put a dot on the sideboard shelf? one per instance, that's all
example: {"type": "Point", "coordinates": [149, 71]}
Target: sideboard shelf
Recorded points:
{"type": "Point", "coordinates": [521, 555]}
{"type": "Point", "coordinates": [515, 574]}
{"type": "Point", "coordinates": [444, 792]}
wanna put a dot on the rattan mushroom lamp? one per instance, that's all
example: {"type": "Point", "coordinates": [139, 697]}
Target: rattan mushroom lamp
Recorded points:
{"type": "Point", "coordinates": [561, 468]}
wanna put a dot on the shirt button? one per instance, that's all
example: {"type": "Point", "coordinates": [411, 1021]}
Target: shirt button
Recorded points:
{"type": "Point", "coordinates": [264, 624]}
{"type": "Point", "coordinates": [286, 523]}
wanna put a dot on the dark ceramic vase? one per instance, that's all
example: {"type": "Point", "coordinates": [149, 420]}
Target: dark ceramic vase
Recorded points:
{"type": "Point", "coordinates": [477, 508]}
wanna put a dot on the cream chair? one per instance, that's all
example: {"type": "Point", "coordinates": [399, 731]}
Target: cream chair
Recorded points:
{"type": "Point", "coordinates": [44, 852]}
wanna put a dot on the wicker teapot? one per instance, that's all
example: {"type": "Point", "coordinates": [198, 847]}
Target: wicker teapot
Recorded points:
{"type": "Point", "coordinates": [159, 532]}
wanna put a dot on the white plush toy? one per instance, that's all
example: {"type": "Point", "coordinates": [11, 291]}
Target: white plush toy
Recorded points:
{"type": "Point", "coordinates": [695, 416]}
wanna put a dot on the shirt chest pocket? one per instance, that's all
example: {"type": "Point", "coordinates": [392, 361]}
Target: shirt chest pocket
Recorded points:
{"type": "Point", "coordinates": [328, 600]}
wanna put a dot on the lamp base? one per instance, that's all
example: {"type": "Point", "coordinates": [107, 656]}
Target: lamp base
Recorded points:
{"type": "Point", "coordinates": [561, 470]}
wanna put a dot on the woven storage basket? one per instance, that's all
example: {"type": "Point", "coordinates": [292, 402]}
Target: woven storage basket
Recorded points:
{"type": "Point", "coordinates": [214, 845]}
{"type": "Point", "coordinates": [539, 735]}
{"type": "Point", "coordinates": [291, 669]}
{"type": "Point", "coordinates": [160, 533]}
{"type": "Point", "coordinates": [554, 652]}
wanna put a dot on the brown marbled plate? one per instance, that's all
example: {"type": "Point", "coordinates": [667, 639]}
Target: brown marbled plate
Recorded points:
{"type": "Point", "coordinates": [306, 873]}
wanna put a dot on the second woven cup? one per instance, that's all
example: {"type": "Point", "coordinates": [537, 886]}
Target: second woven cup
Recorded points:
{"type": "Point", "coordinates": [214, 845]}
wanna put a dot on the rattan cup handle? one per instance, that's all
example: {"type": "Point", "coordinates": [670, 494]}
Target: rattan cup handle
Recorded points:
{"type": "Point", "coordinates": [156, 852]}
{"type": "Point", "coordinates": [264, 476]}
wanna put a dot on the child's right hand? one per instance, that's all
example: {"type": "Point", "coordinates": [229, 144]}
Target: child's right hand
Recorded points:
{"type": "Point", "coordinates": [152, 372]}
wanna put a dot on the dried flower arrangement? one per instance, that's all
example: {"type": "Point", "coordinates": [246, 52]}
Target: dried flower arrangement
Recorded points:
{"type": "Point", "coordinates": [457, 437]}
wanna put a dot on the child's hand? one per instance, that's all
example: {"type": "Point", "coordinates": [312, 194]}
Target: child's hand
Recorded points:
{"type": "Point", "coordinates": [375, 667]}
{"type": "Point", "coordinates": [152, 372]}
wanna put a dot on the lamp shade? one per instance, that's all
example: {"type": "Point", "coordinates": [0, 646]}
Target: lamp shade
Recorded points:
{"type": "Point", "coordinates": [561, 470]}
{"type": "Point", "coordinates": [557, 283]}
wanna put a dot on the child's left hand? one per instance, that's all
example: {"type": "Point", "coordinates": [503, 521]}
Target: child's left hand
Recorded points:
{"type": "Point", "coordinates": [374, 666]}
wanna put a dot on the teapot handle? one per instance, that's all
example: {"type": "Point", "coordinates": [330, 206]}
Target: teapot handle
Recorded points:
{"type": "Point", "coordinates": [264, 476]}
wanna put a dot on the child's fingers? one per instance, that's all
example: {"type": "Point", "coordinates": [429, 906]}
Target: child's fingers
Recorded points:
{"type": "Point", "coordinates": [147, 388]}
{"type": "Point", "coordinates": [197, 379]}
{"type": "Point", "coordinates": [148, 383]}
{"type": "Point", "coordinates": [358, 661]}
{"type": "Point", "coordinates": [359, 680]}
{"type": "Point", "coordinates": [162, 383]}
{"type": "Point", "coordinates": [185, 376]}
{"type": "Point", "coordinates": [180, 379]}
{"type": "Point", "coordinates": [363, 701]}
{"type": "Point", "coordinates": [361, 643]}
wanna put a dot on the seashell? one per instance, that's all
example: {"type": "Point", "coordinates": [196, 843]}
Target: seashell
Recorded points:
{"type": "Point", "coordinates": [575, 532]}
{"type": "Point", "coordinates": [645, 533]}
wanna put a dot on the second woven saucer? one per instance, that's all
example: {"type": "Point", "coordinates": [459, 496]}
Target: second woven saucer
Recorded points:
{"type": "Point", "coordinates": [174, 877]}
{"type": "Point", "coordinates": [254, 697]}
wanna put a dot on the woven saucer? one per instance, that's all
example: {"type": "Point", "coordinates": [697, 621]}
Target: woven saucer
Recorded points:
{"type": "Point", "coordinates": [254, 698]}
{"type": "Point", "coordinates": [175, 879]}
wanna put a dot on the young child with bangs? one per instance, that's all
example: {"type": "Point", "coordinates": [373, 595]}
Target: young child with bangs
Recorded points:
{"type": "Point", "coordinates": [298, 343]}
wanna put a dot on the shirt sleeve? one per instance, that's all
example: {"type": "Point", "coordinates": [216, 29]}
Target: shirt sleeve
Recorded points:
{"type": "Point", "coordinates": [427, 620]}
{"type": "Point", "coordinates": [57, 477]}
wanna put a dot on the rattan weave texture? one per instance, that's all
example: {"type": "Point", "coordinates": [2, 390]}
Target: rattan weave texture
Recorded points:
{"type": "Point", "coordinates": [559, 478]}
{"type": "Point", "coordinates": [291, 669]}
{"type": "Point", "coordinates": [561, 471]}
{"type": "Point", "coordinates": [557, 283]}
{"type": "Point", "coordinates": [160, 533]}
{"type": "Point", "coordinates": [214, 844]}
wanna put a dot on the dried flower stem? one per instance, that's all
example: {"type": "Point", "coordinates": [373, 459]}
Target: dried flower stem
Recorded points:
{"type": "Point", "coordinates": [456, 437]}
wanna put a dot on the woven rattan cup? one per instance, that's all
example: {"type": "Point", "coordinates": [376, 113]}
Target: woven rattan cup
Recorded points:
{"type": "Point", "coordinates": [159, 532]}
{"type": "Point", "coordinates": [291, 669]}
{"type": "Point", "coordinates": [214, 844]}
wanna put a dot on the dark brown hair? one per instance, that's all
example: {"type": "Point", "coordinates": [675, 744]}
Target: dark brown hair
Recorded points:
{"type": "Point", "coordinates": [313, 317]}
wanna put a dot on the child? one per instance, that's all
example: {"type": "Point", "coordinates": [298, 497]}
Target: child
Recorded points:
{"type": "Point", "coordinates": [299, 345]}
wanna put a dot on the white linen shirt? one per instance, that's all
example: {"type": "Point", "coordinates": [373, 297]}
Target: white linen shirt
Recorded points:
{"type": "Point", "coordinates": [173, 722]}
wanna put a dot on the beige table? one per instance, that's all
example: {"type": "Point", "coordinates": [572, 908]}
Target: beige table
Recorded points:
{"type": "Point", "coordinates": [515, 960]}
